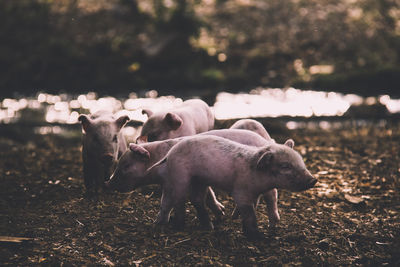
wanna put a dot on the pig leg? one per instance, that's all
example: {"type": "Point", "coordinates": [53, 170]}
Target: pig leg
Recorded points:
{"type": "Point", "coordinates": [173, 196]}
{"type": "Point", "coordinates": [88, 180]}
{"type": "Point", "coordinates": [104, 173]}
{"type": "Point", "coordinates": [246, 210]}
{"type": "Point", "coordinates": [180, 194]}
{"type": "Point", "coordinates": [90, 176]}
{"type": "Point", "coordinates": [165, 209]}
{"type": "Point", "coordinates": [249, 221]}
{"type": "Point", "coordinates": [235, 212]}
{"type": "Point", "coordinates": [94, 173]}
{"type": "Point", "coordinates": [179, 219]}
{"type": "Point", "coordinates": [197, 197]}
{"type": "Point", "coordinates": [216, 207]}
{"type": "Point", "coordinates": [271, 198]}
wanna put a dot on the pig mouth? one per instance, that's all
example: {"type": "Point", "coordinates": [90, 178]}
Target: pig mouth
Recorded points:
{"type": "Point", "coordinates": [310, 184]}
{"type": "Point", "coordinates": [110, 185]}
{"type": "Point", "coordinates": [302, 187]}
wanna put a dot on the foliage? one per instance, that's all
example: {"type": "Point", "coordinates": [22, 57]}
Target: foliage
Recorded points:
{"type": "Point", "coordinates": [120, 45]}
{"type": "Point", "coordinates": [273, 42]}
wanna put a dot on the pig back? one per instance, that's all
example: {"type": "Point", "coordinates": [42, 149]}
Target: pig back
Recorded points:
{"type": "Point", "coordinates": [209, 160]}
{"type": "Point", "coordinates": [251, 125]}
{"type": "Point", "coordinates": [244, 137]}
{"type": "Point", "coordinates": [199, 113]}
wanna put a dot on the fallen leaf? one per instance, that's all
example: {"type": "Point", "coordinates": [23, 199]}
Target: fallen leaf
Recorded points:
{"type": "Point", "coordinates": [13, 239]}
{"type": "Point", "coordinates": [353, 199]}
{"type": "Point", "coordinates": [108, 262]}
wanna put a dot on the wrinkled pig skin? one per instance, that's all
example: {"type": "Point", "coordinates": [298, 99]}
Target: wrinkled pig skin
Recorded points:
{"type": "Point", "coordinates": [192, 117]}
{"type": "Point", "coordinates": [243, 171]}
{"type": "Point", "coordinates": [102, 144]}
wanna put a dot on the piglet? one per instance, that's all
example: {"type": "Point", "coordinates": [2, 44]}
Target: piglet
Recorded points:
{"type": "Point", "coordinates": [271, 196]}
{"type": "Point", "coordinates": [244, 171]}
{"type": "Point", "coordinates": [251, 125]}
{"type": "Point", "coordinates": [102, 145]}
{"type": "Point", "coordinates": [130, 172]}
{"type": "Point", "coordinates": [192, 117]}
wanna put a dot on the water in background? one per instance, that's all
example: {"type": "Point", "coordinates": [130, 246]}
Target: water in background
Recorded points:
{"type": "Point", "coordinates": [50, 112]}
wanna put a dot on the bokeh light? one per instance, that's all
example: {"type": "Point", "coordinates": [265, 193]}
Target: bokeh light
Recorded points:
{"type": "Point", "coordinates": [259, 102]}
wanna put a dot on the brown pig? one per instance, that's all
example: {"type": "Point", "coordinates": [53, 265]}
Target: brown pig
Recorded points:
{"type": "Point", "coordinates": [244, 171]}
{"type": "Point", "coordinates": [102, 145]}
{"type": "Point", "coordinates": [192, 117]}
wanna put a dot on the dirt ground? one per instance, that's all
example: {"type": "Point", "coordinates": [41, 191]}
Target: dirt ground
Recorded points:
{"type": "Point", "coordinates": [351, 217]}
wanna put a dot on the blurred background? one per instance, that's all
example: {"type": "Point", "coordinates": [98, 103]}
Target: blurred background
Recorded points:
{"type": "Point", "coordinates": [175, 46]}
{"type": "Point", "coordinates": [323, 58]}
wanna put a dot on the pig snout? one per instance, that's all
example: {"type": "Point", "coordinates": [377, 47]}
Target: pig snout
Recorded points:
{"type": "Point", "coordinates": [110, 184]}
{"type": "Point", "coordinates": [310, 180]}
{"type": "Point", "coordinates": [114, 183]}
{"type": "Point", "coordinates": [311, 183]}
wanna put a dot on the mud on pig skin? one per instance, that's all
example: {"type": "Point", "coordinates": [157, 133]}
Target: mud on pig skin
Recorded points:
{"type": "Point", "coordinates": [102, 144]}
{"type": "Point", "coordinates": [243, 171]}
{"type": "Point", "coordinates": [192, 117]}
{"type": "Point", "coordinates": [131, 170]}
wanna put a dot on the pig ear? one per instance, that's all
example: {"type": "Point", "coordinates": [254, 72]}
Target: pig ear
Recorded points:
{"type": "Point", "coordinates": [265, 160]}
{"type": "Point", "coordinates": [84, 119]}
{"type": "Point", "coordinates": [141, 139]}
{"type": "Point", "coordinates": [121, 121]}
{"type": "Point", "coordinates": [173, 120]}
{"type": "Point", "coordinates": [148, 112]}
{"type": "Point", "coordinates": [139, 151]}
{"type": "Point", "coordinates": [289, 143]}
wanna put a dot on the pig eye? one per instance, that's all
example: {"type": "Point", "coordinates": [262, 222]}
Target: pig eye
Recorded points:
{"type": "Point", "coordinates": [114, 139]}
{"type": "Point", "coordinates": [151, 137]}
{"type": "Point", "coordinates": [285, 166]}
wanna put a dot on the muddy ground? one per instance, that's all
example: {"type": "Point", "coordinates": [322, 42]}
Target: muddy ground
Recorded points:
{"type": "Point", "coordinates": [351, 217]}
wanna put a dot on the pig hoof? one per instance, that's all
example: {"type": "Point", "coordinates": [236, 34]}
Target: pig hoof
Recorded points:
{"type": "Point", "coordinates": [207, 226]}
{"type": "Point", "coordinates": [235, 214]}
{"type": "Point", "coordinates": [272, 228]}
{"type": "Point", "coordinates": [160, 228]}
{"type": "Point", "coordinates": [254, 235]}
{"type": "Point", "coordinates": [89, 194]}
{"type": "Point", "coordinates": [273, 223]}
{"type": "Point", "coordinates": [159, 221]}
{"type": "Point", "coordinates": [177, 225]}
